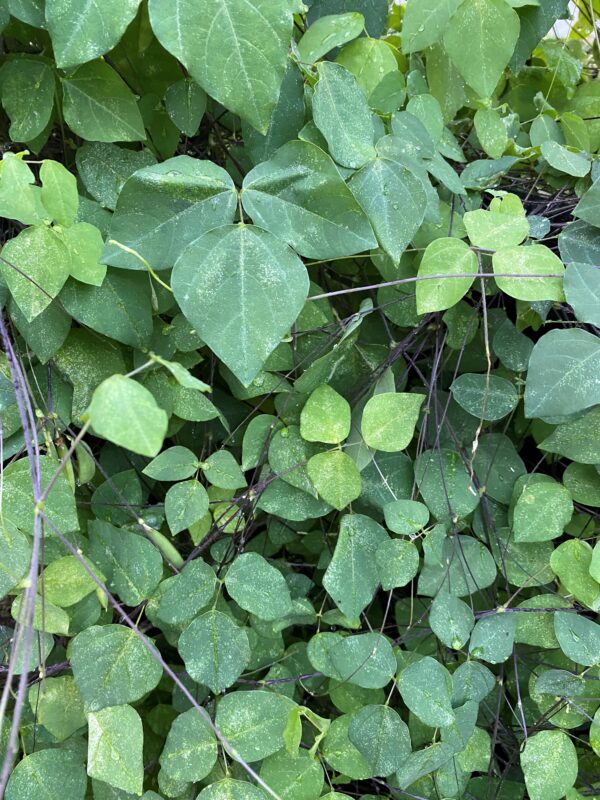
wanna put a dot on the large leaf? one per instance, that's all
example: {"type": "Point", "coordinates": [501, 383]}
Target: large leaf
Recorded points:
{"type": "Point", "coordinates": [28, 120]}
{"type": "Point", "coordinates": [445, 274]}
{"type": "Point", "coordinates": [104, 168]}
{"type": "Point", "coordinates": [549, 763]}
{"type": "Point", "coordinates": [537, 260]}
{"type": "Point", "coordinates": [190, 751]}
{"type": "Point", "coordinates": [250, 279]}
{"type": "Point", "coordinates": [491, 27]}
{"type": "Point", "coordinates": [82, 31]}
{"type": "Point", "coordinates": [99, 106]}
{"type": "Point", "coordinates": [258, 587]}
{"type": "Point", "coordinates": [564, 374]}
{"type": "Point", "coordinates": [425, 22]}
{"type": "Point", "coordinates": [234, 49]}
{"type": "Point", "coordinates": [300, 197]}
{"type": "Point", "coordinates": [162, 208]}
{"type": "Point", "coordinates": [60, 773]}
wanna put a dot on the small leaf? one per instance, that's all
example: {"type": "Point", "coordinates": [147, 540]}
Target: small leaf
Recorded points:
{"type": "Point", "coordinates": [190, 751]}
{"type": "Point", "coordinates": [582, 290]}
{"type": "Point", "coordinates": [335, 477]}
{"type": "Point", "coordinates": [185, 102]}
{"type": "Point", "coordinates": [59, 192]}
{"type": "Point", "coordinates": [542, 511]}
{"type": "Point", "coordinates": [381, 736]}
{"type": "Point", "coordinates": [185, 504]}
{"type": "Point", "coordinates": [215, 650]}
{"type": "Point", "coordinates": [327, 33]}
{"type": "Point", "coordinates": [493, 638]}
{"type": "Point", "coordinates": [299, 775]}
{"type": "Point", "coordinates": [397, 563]}
{"type": "Point", "coordinates": [425, 687]}
{"type": "Point", "coordinates": [389, 420]}
{"type": "Point", "coordinates": [341, 113]}
{"type": "Point", "coordinates": [444, 257]}
{"type": "Point", "coordinates": [366, 660]}
{"type": "Point", "coordinates": [578, 637]}
{"type": "Point", "coordinates": [140, 425]}
{"type": "Point", "coordinates": [258, 587]}
{"type": "Point", "coordinates": [451, 620]}
{"type": "Point", "coordinates": [222, 470]}
{"type": "Point", "coordinates": [564, 160]}
{"type": "Point", "coordinates": [405, 517]}
{"type": "Point", "coordinates": [183, 596]}
{"type": "Point", "coordinates": [488, 397]}
{"type": "Point", "coordinates": [325, 417]}
{"type": "Point", "coordinates": [173, 464]}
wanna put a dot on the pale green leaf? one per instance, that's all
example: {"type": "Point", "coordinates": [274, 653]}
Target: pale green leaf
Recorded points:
{"type": "Point", "coordinates": [115, 744]}
{"type": "Point", "coordinates": [140, 425]}
{"type": "Point", "coordinates": [185, 504]}
{"type": "Point", "coordinates": [389, 420]}
{"type": "Point", "coordinates": [518, 263]}
{"type": "Point", "coordinates": [325, 417]}
{"type": "Point", "coordinates": [444, 257]}
{"type": "Point", "coordinates": [335, 477]}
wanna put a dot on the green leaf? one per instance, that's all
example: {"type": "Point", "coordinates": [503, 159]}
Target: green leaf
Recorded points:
{"type": "Point", "coordinates": [163, 208]}
{"type": "Point", "coordinates": [341, 113]}
{"type": "Point", "coordinates": [185, 102]}
{"type": "Point", "coordinates": [35, 266]}
{"type": "Point", "coordinates": [504, 224]}
{"type": "Point", "coordinates": [492, 29]}
{"type": "Point", "coordinates": [99, 106]}
{"type": "Point", "coordinates": [140, 426]}
{"type": "Point", "coordinates": [519, 263]}
{"type": "Point", "coordinates": [222, 470]}
{"type": "Point", "coordinates": [369, 60]}
{"type": "Point", "coordinates": [27, 120]}
{"type": "Point", "coordinates": [215, 650]}
{"type": "Point", "coordinates": [341, 755]}
{"type": "Point", "coordinates": [493, 638]}
{"type": "Point", "coordinates": [542, 511]}
{"type": "Point", "coordinates": [82, 31]}
{"type": "Point", "coordinates": [253, 723]}
{"type": "Point", "coordinates": [61, 773]}
{"type": "Point", "coordinates": [366, 660]}
{"type": "Point", "coordinates": [58, 706]}
{"type": "Point", "coordinates": [382, 738]}
{"type": "Point", "coordinates": [15, 556]}
{"type": "Point", "coordinates": [325, 417]}
{"type": "Point", "coordinates": [444, 257]}
{"type": "Point", "coordinates": [104, 168]}
{"type": "Point", "coordinates": [560, 360]}
{"type": "Point", "coordinates": [258, 587]}
{"type": "Point", "coordinates": [549, 764]}
{"type": "Point", "coordinates": [564, 160]}
{"type": "Point", "coordinates": [351, 577]}
{"type": "Point", "coordinates": [582, 290]}
{"type": "Point", "coordinates": [327, 33]}
{"type": "Point", "coordinates": [578, 440]}
{"type": "Point", "coordinates": [426, 688]}
{"type": "Point", "coordinates": [120, 308]}
{"type": "Point", "coordinates": [18, 198]}
{"type": "Point", "coordinates": [240, 271]}
{"type": "Point", "coordinates": [571, 562]}
{"type": "Point", "coordinates": [17, 497]}
{"type": "Point", "coordinates": [190, 751]}
{"type": "Point", "coordinates": [115, 743]}
{"type": "Point", "coordinates": [131, 564]}
{"type": "Point", "coordinates": [288, 455]}
{"type": "Point", "coordinates": [229, 789]}
{"type": "Point", "coordinates": [59, 192]}
{"type": "Point", "coordinates": [451, 620]}
{"type": "Point", "coordinates": [85, 245]}
{"type": "Point", "coordinates": [298, 776]}
{"type": "Point", "coordinates": [173, 464]}
{"type": "Point", "coordinates": [111, 666]}
{"type": "Point", "coordinates": [488, 397]}
{"type": "Point", "coordinates": [299, 196]}
{"type": "Point", "coordinates": [182, 596]}
{"type": "Point", "coordinates": [405, 516]}
{"type": "Point", "coordinates": [491, 132]}
{"type": "Point", "coordinates": [389, 420]}
{"type": "Point", "coordinates": [578, 637]}
{"type": "Point", "coordinates": [425, 22]}
{"type": "Point", "coordinates": [185, 504]}
{"type": "Point", "coordinates": [335, 477]}
{"type": "Point", "coordinates": [587, 208]}
{"type": "Point", "coordinates": [235, 50]}
{"type": "Point", "coordinates": [393, 199]}
{"type": "Point", "coordinates": [464, 566]}
{"type": "Point", "coordinates": [66, 581]}
{"type": "Point", "coordinates": [397, 563]}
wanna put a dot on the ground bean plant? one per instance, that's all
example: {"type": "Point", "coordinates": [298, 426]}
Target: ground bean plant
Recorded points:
{"type": "Point", "coordinates": [300, 399]}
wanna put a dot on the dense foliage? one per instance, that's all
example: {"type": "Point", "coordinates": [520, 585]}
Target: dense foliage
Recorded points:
{"type": "Point", "coordinates": [300, 399]}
